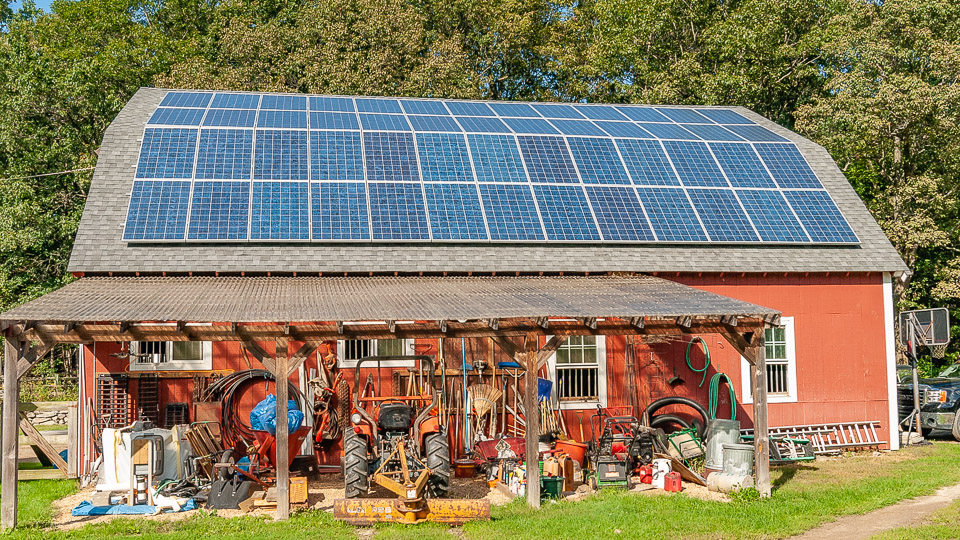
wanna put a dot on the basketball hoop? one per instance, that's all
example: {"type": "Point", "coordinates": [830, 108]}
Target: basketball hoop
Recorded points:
{"type": "Point", "coordinates": [938, 351]}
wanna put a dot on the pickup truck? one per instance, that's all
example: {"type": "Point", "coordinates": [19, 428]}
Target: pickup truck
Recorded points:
{"type": "Point", "coordinates": [939, 399]}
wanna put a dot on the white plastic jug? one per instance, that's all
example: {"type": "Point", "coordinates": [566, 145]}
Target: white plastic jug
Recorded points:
{"type": "Point", "coordinates": [660, 469]}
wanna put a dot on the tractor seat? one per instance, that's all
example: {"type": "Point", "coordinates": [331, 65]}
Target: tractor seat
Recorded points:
{"type": "Point", "coordinates": [395, 417]}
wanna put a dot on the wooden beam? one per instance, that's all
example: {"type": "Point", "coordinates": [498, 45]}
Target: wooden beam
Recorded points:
{"type": "Point", "coordinates": [739, 343]}
{"type": "Point", "coordinates": [761, 439]}
{"type": "Point", "coordinates": [508, 347]}
{"type": "Point", "coordinates": [637, 322]}
{"type": "Point", "coordinates": [300, 356]}
{"type": "Point", "coordinates": [124, 326]}
{"type": "Point", "coordinates": [590, 322]}
{"type": "Point", "coordinates": [283, 433]}
{"type": "Point", "coordinates": [10, 442]}
{"type": "Point", "coordinates": [30, 358]}
{"type": "Point", "coordinates": [42, 443]}
{"type": "Point", "coordinates": [392, 326]}
{"type": "Point", "coordinates": [543, 322]}
{"type": "Point", "coordinates": [494, 324]}
{"type": "Point", "coordinates": [443, 326]}
{"type": "Point", "coordinates": [528, 358]}
{"type": "Point", "coordinates": [260, 355]}
{"type": "Point", "coordinates": [729, 320]}
{"type": "Point", "coordinates": [340, 327]}
{"type": "Point", "coordinates": [685, 321]}
{"type": "Point", "coordinates": [548, 349]}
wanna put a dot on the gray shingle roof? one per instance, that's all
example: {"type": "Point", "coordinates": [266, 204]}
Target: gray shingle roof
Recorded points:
{"type": "Point", "coordinates": [99, 247]}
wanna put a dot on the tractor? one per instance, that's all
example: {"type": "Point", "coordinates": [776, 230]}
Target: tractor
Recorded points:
{"type": "Point", "coordinates": [398, 443]}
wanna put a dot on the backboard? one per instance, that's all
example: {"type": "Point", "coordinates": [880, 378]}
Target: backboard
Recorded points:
{"type": "Point", "coordinates": [932, 324]}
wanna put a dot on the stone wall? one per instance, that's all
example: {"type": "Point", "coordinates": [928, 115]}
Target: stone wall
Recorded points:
{"type": "Point", "coordinates": [46, 413]}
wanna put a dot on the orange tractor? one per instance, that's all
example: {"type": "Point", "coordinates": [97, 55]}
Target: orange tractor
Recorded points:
{"type": "Point", "coordinates": [398, 443]}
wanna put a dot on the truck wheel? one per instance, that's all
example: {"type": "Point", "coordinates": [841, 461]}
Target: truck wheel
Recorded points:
{"type": "Point", "coordinates": [356, 469]}
{"type": "Point", "coordinates": [438, 460]}
{"type": "Point", "coordinates": [956, 426]}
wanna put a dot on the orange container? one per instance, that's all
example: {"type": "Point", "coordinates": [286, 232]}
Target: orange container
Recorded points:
{"type": "Point", "coordinates": [576, 451]}
{"type": "Point", "coordinates": [671, 481]}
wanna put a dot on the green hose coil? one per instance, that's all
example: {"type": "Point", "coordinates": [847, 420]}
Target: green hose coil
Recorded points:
{"type": "Point", "coordinates": [706, 355]}
{"type": "Point", "coordinates": [714, 395]}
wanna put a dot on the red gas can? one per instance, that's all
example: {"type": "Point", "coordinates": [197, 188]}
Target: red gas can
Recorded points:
{"type": "Point", "coordinates": [671, 481]}
{"type": "Point", "coordinates": [645, 473]}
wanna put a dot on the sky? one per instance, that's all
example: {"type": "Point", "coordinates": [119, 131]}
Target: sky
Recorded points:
{"type": "Point", "coordinates": [42, 4]}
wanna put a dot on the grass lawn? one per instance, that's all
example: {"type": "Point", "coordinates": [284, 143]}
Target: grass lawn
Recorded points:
{"type": "Point", "coordinates": [804, 497]}
{"type": "Point", "coordinates": [34, 498]}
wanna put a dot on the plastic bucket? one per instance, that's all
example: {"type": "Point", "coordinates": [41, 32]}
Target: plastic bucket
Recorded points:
{"type": "Point", "coordinates": [576, 451]}
{"type": "Point", "coordinates": [551, 486]}
{"type": "Point", "coordinates": [719, 433]}
{"type": "Point", "coordinates": [738, 459]}
{"type": "Point", "coordinates": [465, 468]}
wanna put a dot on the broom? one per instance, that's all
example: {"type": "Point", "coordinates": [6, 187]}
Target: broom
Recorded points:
{"type": "Point", "coordinates": [482, 397]}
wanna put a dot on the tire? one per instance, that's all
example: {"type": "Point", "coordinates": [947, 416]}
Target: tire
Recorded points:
{"type": "Point", "coordinates": [226, 473]}
{"type": "Point", "coordinates": [437, 448]}
{"type": "Point", "coordinates": [356, 468]}
{"type": "Point", "coordinates": [956, 426]}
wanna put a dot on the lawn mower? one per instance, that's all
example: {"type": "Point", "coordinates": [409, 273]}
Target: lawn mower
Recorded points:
{"type": "Point", "coordinates": [397, 442]}
{"type": "Point", "coordinates": [617, 448]}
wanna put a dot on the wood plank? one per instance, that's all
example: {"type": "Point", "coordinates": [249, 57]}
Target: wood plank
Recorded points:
{"type": "Point", "coordinates": [761, 440]}
{"type": "Point", "coordinates": [528, 358]}
{"type": "Point", "coordinates": [300, 356]}
{"type": "Point", "coordinates": [72, 441]}
{"type": "Point", "coordinates": [253, 348]}
{"type": "Point", "coordinates": [40, 474]}
{"type": "Point", "coordinates": [549, 348]}
{"type": "Point", "coordinates": [43, 443]}
{"type": "Point", "coordinates": [31, 357]}
{"type": "Point", "coordinates": [283, 433]}
{"type": "Point", "coordinates": [10, 446]}
{"type": "Point", "coordinates": [508, 347]}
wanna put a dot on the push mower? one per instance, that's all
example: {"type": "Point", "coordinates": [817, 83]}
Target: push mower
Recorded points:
{"type": "Point", "coordinates": [616, 449]}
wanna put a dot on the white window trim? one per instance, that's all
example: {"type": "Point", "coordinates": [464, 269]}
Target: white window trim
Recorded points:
{"type": "Point", "coordinates": [601, 378]}
{"type": "Point", "coordinates": [408, 346]}
{"type": "Point", "coordinates": [204, 364]}
{"type": "Point", "coordinates": [745, 367]}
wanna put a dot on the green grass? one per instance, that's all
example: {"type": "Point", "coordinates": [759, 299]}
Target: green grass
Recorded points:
{"type": "Point", "coordinates": [943, 524]}
{"type": "Point", "coordinates": [34, 498]}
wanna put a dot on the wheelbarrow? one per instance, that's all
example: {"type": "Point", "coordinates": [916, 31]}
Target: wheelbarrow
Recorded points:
{"type": "Point", "coordinates": [267, 448]}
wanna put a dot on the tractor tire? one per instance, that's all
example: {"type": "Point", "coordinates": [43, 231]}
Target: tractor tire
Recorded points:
{"type": "Point", "coordinates": [343, 405]}
{"type": "Point", "coordinates": [437, 448]}
{"type": "Point", "coordinates": [356, 468]}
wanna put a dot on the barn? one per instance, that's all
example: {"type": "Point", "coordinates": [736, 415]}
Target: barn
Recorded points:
{"type": "Point", "coordinates": [628, 252]}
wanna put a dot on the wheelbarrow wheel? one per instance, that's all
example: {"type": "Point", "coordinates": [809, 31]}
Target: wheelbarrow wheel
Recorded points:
{"type": "Point", "coordinates": [438, 460]}
{"type": "Point", "coordinates": [226, 473]}
{"type": "Point", "coordinates": [356, 469]}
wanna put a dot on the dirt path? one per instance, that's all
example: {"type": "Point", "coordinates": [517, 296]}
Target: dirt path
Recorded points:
{"type": "Point", "coordinates": [901, 514]}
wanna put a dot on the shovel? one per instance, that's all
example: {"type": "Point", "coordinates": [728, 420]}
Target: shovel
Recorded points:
{"type": "Point", "coordinates": [675, 380]}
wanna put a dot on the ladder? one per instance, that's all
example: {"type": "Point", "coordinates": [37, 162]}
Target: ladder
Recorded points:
{"type": "Point", "coordinates": [831, 438]}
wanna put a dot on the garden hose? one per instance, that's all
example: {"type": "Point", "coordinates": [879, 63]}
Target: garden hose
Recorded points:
{"type": "Point", "coordinates": [706, 356]}
{"type": "Point", "coordinates": [714, 395]}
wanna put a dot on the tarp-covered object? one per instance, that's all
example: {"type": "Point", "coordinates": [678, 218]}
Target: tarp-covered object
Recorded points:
{"type": "Point", "coordinates": [86, 508]}
{"type": "Point", "coordinates": [263, 417]}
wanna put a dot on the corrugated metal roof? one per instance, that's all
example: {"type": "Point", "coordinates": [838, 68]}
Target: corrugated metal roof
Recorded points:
{"type": "Point", "coordinates": [303, 299]}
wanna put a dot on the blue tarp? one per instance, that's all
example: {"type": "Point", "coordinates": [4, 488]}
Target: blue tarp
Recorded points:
{"type": "Point", "coordinates": [86, 508]}
{"type": "Point", "coordinates": [263, 417]}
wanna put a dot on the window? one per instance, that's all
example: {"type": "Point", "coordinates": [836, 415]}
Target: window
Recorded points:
{"type": "Point", "coordinates": [349, 351]}
{"type": "Point", "coordinates": [171, 356]}
{"type": "Point", "coordinates": [579, 372]}
{"type": "Point", "coordinates": [781, 365]}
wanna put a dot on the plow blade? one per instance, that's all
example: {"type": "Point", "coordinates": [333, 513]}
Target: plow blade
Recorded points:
{"type": "Point", "coordinates": [449, 511]}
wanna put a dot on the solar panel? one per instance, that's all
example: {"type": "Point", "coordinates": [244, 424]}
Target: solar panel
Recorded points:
{"type": "Point", "coordinates": [647, 163]}
{"type": "Point", "coordinates": [771, 216]}
{"type": "Point", "coordinates": [176, 117]}
{"type": "Point", "coordinates": [225, 154]}
{"type": "Point", "coordinates": [756, 134]}
{"type": "Point", "coordinates": [600, 112]}
{"type": "Point", "coordinates": [167, 153]}
{"type": "Point", "coordinates": [787, 166]}
{"type": "Point", "coordinates": [531, 125]}
{"type": "Point", "coordinates": [556, 111]}
{"type": "Point", "coordinates": [235, 101]}
{"type": "Point", "coordinates": [230, 118]}
{"type": "Point", "coordinates": [334, 104]}
{"type": "Point", "coordinates": [711, 132]}
{"type": "Point", "coordinates": [434, 123]}
{"type": "Point", "coordinates": [158, 210]}
{"type": "Point", "coordinates": [455, 212]}
{"type": "Point", "coordinates": [470, 108]}
{"type": "Point", "coordinates": [683, 116]}
{"type": "Point", "coordinates": [669, 131]}
{"type": "Point", "coordinates": [340, 211]}
{"type": "Point", "coordinates": [513, 109]}
{"type": "Point", "coordinates": [722, 216]}
{"type": "Point", "coordinates": [820, 216]}
{"type": "Point", "coordinates": [397, 211]}
{"type": "Point", "coordinates": [419, 106]}
{"type": "Point", "coordinates": [218, 210]}
{"type": "Point", "coordinates": [480, 124]}
{"type": "Point", "coordinates": [598, 161]}
{"type": "Point", "coordinates": [444, 158]}
{"type": "Point", "coordinates": [695, 164]}
{"type": "Point", "coordinates": [671, 215]}
{"type": "Point", "coordinates": [186, 99]}
{"type": "Point", "coordinates": [379, 105]}
{"type": "Point", "coordinates": [578, 127]}
{"type": "Point", "coordinates": [511, 213]}
{"type": "Point", "coordinates": [742, 165]}
{"type": "Point", "coordinates": [624, 129]}
{"type": "Point", "coordinates": [565, 212]}
{"type": "Point", "coordinates": [336, 155]}
{"type": "Point", "coordinates": [333, 120]}
{"type": "Point", "coordinates": [619, 214]}
{"type": "Point", "coordinates": [384, 122]}
{"type": "Point", "coordinates": [547, 159]}
{"type": "Point", "coordinates": [643, 114]}
{"type": "Point", "coordinates": [496, 158]}
{"type": "Point", "coordinates": [724, 116]}
{"type": "Point", "coordinates": [284, 103]}
{"type": "Point", "coordinates": [282, 119]}
{"type": "Point", "coordinates": [280, 155]}
{"type": "Point", "coordinates": [390, 156]}
{"type": "Point", "coordinates": [280, 211]}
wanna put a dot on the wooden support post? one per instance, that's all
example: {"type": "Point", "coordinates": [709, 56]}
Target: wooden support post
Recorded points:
{"type": "Point", "coordinates": [528, 359]}
{"type": "Point", "coordinates": [283, 432]}
{"type": "Point", "coordinates": [761, 439]}
{"type": "Point", "coordinates": [72, 440]}
{"type": "Point", "coordinates": [11, 435]}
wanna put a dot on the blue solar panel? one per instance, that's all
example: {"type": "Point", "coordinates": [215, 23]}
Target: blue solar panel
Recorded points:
{"type": "Point", "coordinates": [771, 216]}
{"type": "Point", "coordinates": [722, 216]}
{"type": "Point", "coordinates": [820, 216]}
{"type": "Point", "coordinates": [390, 156]}
{"type": "Point", "coordinates": [177, 117]}
{"type": "Point", "coordinates": [333, 120]}
{"type": "Point", "coordinates": [556, 111]}
{"type": "Point", "coordinates": [333, 104]}
{"type": "Point", "coordinates": [619, 214]}
{"type": "Point", "coordinates": [598, 161]}
{"type": "Point", "coordinates": [284, 103]}
{"type": "Point", "coordinates": [711, 132]}
{"type": "Point", "coordinates": [397, 212]}
{"type": "Point", "coordinates": [647, 163]}
{"type": "Point", "coordinates": [531, 125]}
{"type": "Point", "coordinates": [444, 158]}
{"type": "Point", "coordinates": [219, 211]}
{"type": "Point", "coordinates": [724, 116]}
{"type": "Point", "coordinates": [547, 159]}
{"type": "Point", "coordinates": [684, 116]}
{"type": "Point", "coordinates": [787, 166]}
{"type": "Point", "coordinates": [643, 114]}
{"type": "Point", "coordinates": [420, 106]}
{"type": "Point", "coordinates": [379, 106]}
{"type": "Point", "coordinates": [694, 164]}
{"type": "Point", "coordinates": [340, 211]}
{"type": "Point", "coordinates": [669, 131]}
{"type": "Point", "coordinates": [514, 109]}
{"type": "Point", "coordinates": [577, 127]}
{"type": "Point", "coordinates": [743, 167]}
{"type": "Point", "coordinates": [511, 213]}
{"type": "Point", "coordinates": [230, 118]}
{"type": "Point", "coordinates": [167, 153]}
{"type": "Point", "coordinates": [756, 134]}
{"type": "Point", "coordinates": [235, 101]}
{"type": "Point", "coordinates": [496, 158]}
{"type": "Point", "coordinates": [470, 108]}
{"type": "Point", "coordinates": [186, 99]}
{"type": "Point", "coordinates": [434, 123]}
{"type": "Point", "coordinates": [280, 155]}
{"type": "Point", "coordinates": [479, 124]}
{"type": "Point", "coordinates": [336, 155]}
{"type": "Point", "coordinates": [280, 211]}
{"type": "Point", "coordinates": [600, 112]}
{"type": "Point", "coordinates": [225, 154]}
{"type": "Point", "coordinates": [158, 210]}
{"type": "Point", "coordinates": [384, 122]}
{"type": "Point", "coordinates": [282, 119]}
{"type": "Point", "coordinates": [624, 129]}
{"type": "Point", "coordinates": [671, 215]}
{"type": "Point", "coordinates": [455, 212]}
{"type": "Point", "coordinates": [565, 212]}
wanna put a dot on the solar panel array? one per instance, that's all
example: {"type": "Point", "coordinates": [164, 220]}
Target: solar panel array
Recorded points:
{"type": "Point", "coordinates": [261, 168]}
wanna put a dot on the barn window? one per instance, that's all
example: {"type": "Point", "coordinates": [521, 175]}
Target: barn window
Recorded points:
{"type": "Point", "coordinates": [781, 365]}
{"type": "Point", "coordinates": [171, 356]}
{"type": "Point", "coordinates": [579, 369]}
{"type": "Point", "coordinates": [351, 350]}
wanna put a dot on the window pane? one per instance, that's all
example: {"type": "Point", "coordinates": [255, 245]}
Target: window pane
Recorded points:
{"type": "Point", "coordinates": [187, 351]}
{"type": "Point", "coordinates": [356, 349]}
{"type": "Point", "coordinates": [780, 351]}
{"type": "Point", "coordinates": [563, 356]}
{"type": "Point", "coordinates": [780, 334]}
{"type": "Point", "coordinates": [390, 347]}
{"type": "Point", "coordinates": [590, 356]}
